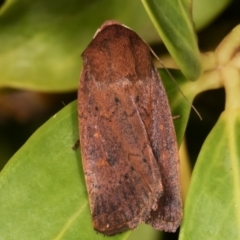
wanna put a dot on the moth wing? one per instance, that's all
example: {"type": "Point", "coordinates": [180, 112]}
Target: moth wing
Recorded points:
{"type": "Point", "coordinates": [121, 172]}
{"type": "Point", "coordinates": [168, 215]}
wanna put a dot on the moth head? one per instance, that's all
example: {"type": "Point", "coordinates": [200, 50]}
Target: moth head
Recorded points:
{"type": "Point", "coordinates": [106, 24]}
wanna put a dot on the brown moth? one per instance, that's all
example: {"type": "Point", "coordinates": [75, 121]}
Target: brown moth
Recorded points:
{"type": "Point", "coordinates": [127, 137]}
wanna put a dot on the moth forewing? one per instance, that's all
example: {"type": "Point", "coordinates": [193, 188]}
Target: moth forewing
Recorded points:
{"type": "Point", "coordinates": [127, 137]}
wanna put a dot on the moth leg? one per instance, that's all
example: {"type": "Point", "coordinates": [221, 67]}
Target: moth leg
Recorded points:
{"type": "Point", "coordinates": [76, 145]}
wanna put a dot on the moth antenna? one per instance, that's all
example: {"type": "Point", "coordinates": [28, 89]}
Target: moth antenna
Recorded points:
{"type": "Point", "coordinates": [171, 76]}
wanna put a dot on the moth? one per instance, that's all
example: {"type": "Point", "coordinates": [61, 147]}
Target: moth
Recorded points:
{"type": "Point", "coordinates": [128, 143]}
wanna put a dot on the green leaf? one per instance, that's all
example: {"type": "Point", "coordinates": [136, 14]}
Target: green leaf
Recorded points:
{"type": "Point", "coordinates": [144, 231]}
{"type": "Point", "coordinates": [212, 209]}
{"type": "Point", "coordinates": [42, 40]}
{"type": "Point", "coordinates": [42, 188]}
{"type": "Point", "coordinates": [205, 11]}
{"type": "Point", "coordinates": [172, 19]}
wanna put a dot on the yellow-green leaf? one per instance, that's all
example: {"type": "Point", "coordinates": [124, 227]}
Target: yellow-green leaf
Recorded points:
{"type": "Point", "coordinates": [212, 209]}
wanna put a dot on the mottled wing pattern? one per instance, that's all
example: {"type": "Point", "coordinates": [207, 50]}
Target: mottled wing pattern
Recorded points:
{"type": "Point", "coordinates": [121, 172]}
{"type": "Point", "coordinates": [127, 137]}
{"type": "Point", "coordinates": [162, 137]}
